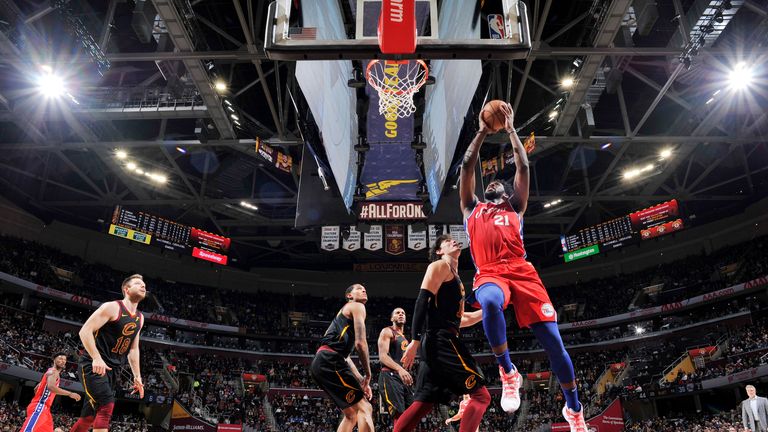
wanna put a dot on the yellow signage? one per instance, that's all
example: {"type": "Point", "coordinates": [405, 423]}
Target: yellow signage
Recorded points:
{"type": "Point", "coordinates": [129, 234]}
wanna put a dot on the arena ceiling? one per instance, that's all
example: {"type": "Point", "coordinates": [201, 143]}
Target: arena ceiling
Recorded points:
{"type": "Point", "coordinates": [650, 85]}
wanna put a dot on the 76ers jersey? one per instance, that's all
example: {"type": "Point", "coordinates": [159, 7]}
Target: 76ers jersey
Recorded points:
{"type": "Point", "coordinates": [495, 233]}
{"type": "Point", "coordinates": [44, 397]}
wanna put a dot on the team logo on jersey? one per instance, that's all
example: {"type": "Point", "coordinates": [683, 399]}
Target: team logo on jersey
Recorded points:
{"type": "Point", "coordinates": [403, 344]}
{"type": "Point", "coordinates": [350, 396]}
{"type": "Point", "coordinates": [470, 382]}
{"type": "Point", "coordinates": [548, 310]}
{"type": "Point", "coordinates": [129, 329]}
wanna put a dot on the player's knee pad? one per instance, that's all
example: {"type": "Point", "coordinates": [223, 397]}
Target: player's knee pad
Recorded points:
{"type": "Point", "coordinates": [103, 415]}
{"type": "Point", "coordinates": [481, 396]}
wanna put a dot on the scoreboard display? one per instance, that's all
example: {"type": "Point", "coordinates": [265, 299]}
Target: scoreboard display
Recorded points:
{"type": "Point", "coordinates": [641, 225]}
{"type": "Point", "coordinates": [150, 229]}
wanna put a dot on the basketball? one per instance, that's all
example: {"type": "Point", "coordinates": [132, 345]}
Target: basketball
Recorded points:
{"type": "Point", "coordinates": [493, 115]}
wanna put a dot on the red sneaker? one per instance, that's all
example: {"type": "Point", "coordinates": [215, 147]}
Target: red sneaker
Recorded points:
{"type": "Point", "coordinates": [575, 419]}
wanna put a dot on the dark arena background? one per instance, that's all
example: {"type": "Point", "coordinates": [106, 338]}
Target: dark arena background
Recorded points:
{"type": "Point", "coordinates": [253, 159]}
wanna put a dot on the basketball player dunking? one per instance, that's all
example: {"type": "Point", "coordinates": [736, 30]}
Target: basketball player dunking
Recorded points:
{"type": "Point", "coordinates": [495, 230]}
{"type": "Point", "coordinates": [447, 368]}
{"type": "Point", "coordinates": [39, 417]}
{"type": "Point", "coordinates": [336, 373]}
{"type": "Point", "coordinates": [110, 337]}
{"type": "Point", "coordinates": [394, 381]}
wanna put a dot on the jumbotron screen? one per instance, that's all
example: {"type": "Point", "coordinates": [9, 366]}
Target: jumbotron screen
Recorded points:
{"type": "Point", "coordinates": [641, 225]}
{"type": "Point", "coordinates": [150, 229]}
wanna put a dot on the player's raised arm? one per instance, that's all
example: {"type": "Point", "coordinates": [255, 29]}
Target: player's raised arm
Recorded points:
{"type": "Point", "coordinates": [467, 175]}
{"type": "Point", "coordinates": [96, 321]}
{"type": "Point", "coordinates": [522, 175]}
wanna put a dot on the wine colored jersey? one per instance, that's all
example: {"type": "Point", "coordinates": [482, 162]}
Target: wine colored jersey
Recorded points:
{"type": "Point", "coordinates": [495, 233]}
{"type": "Point", "coordinates": [397, 345]}
{"type": "Point", "coordinates": [115, 338]}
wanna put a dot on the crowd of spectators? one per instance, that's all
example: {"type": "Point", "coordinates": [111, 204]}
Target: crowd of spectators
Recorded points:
{"type": "Point", "coordinates": [723, 422]}
{"type": "Point", "coordinates": [266, 313]}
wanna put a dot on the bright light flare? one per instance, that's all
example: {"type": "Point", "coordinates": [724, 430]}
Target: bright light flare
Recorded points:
{"type": "Point", "coordinates": [121, 154]}
{"type": "Point", "coordinates": [220, 86]}
{"type": "Point", "coordinates": [741, 76]}
{"type": "Point", "coordinates": [665, 154]}
{"type": "Point", "coordinates": [50, 85]}
{"type": "Point", "coordinates": [567, 83]}
{"type": "Point", "coordinates": [131, 166]}
{"type": "Point", "coordinates": [635, 172]}
{"type": "Point", "coordinates": [248, 205]}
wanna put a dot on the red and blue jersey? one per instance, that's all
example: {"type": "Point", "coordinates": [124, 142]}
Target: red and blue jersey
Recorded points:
{"type": "Point", "coordinates": [39, 410]}
{"type": "Point", "coordinates": [495, 234]}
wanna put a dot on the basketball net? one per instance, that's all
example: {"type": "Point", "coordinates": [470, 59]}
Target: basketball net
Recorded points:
{"type": "Point", "coordinates": [397, 82]}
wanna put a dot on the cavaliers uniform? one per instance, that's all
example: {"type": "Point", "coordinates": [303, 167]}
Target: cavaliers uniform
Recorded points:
{"type": "Point", "coordinates": [39, 417]}
{"type": "Point", "coordinates": [113, 342]}
{"type": "Point", "coordinates": [447, 368]}
{"type": "Point", "coordinates": [392, 391]}
{"type": "Point", "coordinates": [496, 243]}
{"type": "Point", "coordinates": [329, 367]}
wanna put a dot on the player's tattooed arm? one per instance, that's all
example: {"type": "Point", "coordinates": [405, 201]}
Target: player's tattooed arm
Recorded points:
{"type": "Point", "coordinates": [467, 175]}
{"type": "Point", "coordinates": [522, 168]}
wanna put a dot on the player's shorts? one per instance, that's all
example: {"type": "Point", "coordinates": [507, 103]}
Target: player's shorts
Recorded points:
{"type": "Point", "coordinates": [99, 389]}
{"type": "Point", "coordinates": [39, 419]}
{"type": "Point", "coordinates": [447, 368]}
{"type": "Point", "coordinates": [332, 374]}
{"type": "Point", "coordinates": [395, 395]}
{"type": "Point", "coordinates": [522, 287]}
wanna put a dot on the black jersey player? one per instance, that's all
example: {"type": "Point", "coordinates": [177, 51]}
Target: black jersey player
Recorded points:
{"type": "Point", "coordinates": [335, 372]}
{"type": "Point", "coordinates": [394, 381]}
{"type": "Point", "coordinates": [110, 337]}
{"type": "Point", "coordinates": [447, 369]}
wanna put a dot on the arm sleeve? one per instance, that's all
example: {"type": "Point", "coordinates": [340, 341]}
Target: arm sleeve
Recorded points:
{"type": "Point", "coordinates": [420, 313]}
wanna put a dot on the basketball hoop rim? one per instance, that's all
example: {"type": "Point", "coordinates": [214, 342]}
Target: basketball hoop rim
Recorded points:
{"type": "Point", "coordinates": [411, 90]}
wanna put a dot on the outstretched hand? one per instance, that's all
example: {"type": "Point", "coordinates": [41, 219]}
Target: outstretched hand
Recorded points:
{"type": "Point", "coordinates": [509, 114]}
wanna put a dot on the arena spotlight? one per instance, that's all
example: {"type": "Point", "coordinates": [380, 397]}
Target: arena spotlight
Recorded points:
{"type": "Point", "coordinates": [234, 117]}
{"type": "Point", "coordinates": [666, 153]}
{"type": "Point", "coordinates": [635, 172]}
{"type": "Point", "coordinates": [49, 84]}
{"type": "Point", "coordinates": [741, 76]}
{"type": "Point", "coordinates": [553, 114]}
{"type": "Point", "coordinates": [567, 83]}
{"type": "Point", "coordinates": [220, 86]}
{"type": "Point", "coordinates": [121, 154]}
{"type": "Point", "coordinates": [639, 330]}
{"type": "Point", "coordinates": [131, 166]}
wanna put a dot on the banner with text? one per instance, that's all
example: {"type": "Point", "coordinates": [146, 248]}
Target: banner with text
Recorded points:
{"type": "Point", "coordinates": [459, 234]}
{"type": "Point", "coordinates": [405, 210]}
{"type": "Point", "coordinates": [394, 237]}
{"type": "Point", "coordinates": [434, 232]}
{"type": "Point", "coordinates": [417, 240]}
{"type": "Point", "coordinates": [329, 239]}
{"type": "Point", "coordinates": [372, 240]}
{"type": "Point", "coordinates": [352, 243]}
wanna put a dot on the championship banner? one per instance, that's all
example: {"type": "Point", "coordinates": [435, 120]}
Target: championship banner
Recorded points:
{"type": "Point", "coordinates": [183, 420]}
{"type": "Point", "coordinates": [329, 238]}
{"type": "Point", "coordinates": [394, 238]}
{"type": "Point", "coordinates": [460, 235]}
{"type": "Point", "coordinates": [391, 267]}
{"type": "Point", "coordinates": [351, 243]}
{"type": "Point", "coordinates": [610, 420]}
{"type": "Point", "coordinates": [434, 232]}
{"type": "Point", "coordinates": [273, 157]}
{"type": "Point", "coordinates": [417, 240]}
{"type": "Point", "coordinates": [492, 166]}
{"type": "Point", "coordinates": [372, 240]}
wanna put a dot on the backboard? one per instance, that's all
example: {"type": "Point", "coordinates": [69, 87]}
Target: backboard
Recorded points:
{"type": "Point", "coordinates": [289, 38]}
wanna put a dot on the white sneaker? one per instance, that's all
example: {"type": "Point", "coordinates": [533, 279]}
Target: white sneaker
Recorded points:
{"type": "Point", "coordinates": [575, 419]}
{"type": "Point", "coordinates": [510, 390]}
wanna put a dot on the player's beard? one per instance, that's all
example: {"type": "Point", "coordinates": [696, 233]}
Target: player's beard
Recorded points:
{"type": "Point", "coordinates": [492, 195]}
